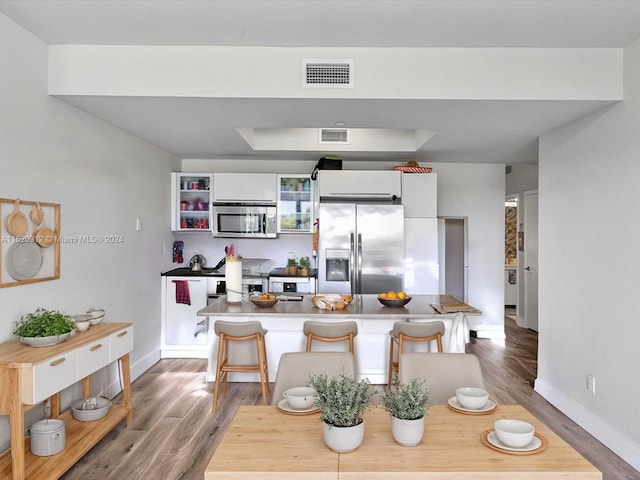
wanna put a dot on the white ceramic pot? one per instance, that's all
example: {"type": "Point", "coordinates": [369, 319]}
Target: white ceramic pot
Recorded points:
{"type": "Point", "coordinates": [343, 439]}
{"type": "Point", "coordinates": [47, 437]}
{"type": "Point", "coordinates": [407, 433]}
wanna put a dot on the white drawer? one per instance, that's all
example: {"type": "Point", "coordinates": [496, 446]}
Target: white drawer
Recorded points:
{"type": "Point", "coordinates": [49, 377]}
{"type": "Point", "coordinates": [121, 342]}
{"type": "Point", "coordinates": [93, 357]}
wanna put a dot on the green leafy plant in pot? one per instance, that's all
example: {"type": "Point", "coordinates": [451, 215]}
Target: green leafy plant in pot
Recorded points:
{"type": "Point", "coordinates": [342, 402]}
{"type": "Point", "coordinates": [43, 323]}
{"type": "Point", "coordinates": [292, 266]}
{"type": "Point", "coordinates": [303, 265]}
{"type": "Point", "coordinates": [407, 404]}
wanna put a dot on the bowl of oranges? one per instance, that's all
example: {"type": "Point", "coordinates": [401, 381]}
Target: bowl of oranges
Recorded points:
{"type": "Point", "coordinates": [393, 299]}
{"type": "Point", "coordinates": [265, 300]}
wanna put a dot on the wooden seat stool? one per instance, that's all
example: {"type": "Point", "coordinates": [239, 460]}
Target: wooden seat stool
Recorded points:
{"type": "Point", "coordinates": [240, 332]}
{"type": "Point", "coordinates": [330, 332]}
{"type": "Point", "coordinates": [412, 332]}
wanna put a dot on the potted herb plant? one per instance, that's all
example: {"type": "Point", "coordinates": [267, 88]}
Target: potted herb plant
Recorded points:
{"type": "Point", "coordinates": [44, 327]}
{"type": "Point", "coordinates": [292, 266]}
{"type": "Point", "coordinates": [407, 404]}
{"type": "Point", "coordinates": [303, 266]}
{"type": "Point", "coordinates": [342, 402]}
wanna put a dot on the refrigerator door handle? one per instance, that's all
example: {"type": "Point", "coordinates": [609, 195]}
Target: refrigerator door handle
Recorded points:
{"type": "Point", "coordinates": [359, 264]}
{"type": "Point", "coordinates": [352, 267]}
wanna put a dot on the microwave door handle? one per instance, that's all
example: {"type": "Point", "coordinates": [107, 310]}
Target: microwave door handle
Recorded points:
{"type": "Point", "coordinates": [352, 265]}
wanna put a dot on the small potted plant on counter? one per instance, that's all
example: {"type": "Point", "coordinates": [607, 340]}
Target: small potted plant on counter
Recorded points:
{"type": "Point", "coordinates": [342, 402]}
{"type": "Point", "coordinates": [292, 266]}
{"type": "Point", "coordinates": [303, 266]}
{"type": "Point", "coordinates": [407, 404]}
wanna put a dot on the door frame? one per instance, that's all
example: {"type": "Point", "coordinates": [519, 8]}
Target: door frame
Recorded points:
{"type": "Point", "coordinates": [442, 255]}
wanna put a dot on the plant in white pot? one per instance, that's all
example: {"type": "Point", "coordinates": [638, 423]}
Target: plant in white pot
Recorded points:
{"type": "Point", "coordinates": [408, 405]}
{"type": "Point", "coordinates": [44, 327]}
{"type": "Point", "coordinates": [342, 402]}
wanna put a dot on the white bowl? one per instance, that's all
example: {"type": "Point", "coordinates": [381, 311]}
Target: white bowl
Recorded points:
{"type": "Point", "coordinates": [97, 315]}
{"type": "Point", "coordinates": [300, 398]}
{"type": "Point", "coordinates": [82, 322]}
{"type": "Point", "coordinates": [90, 409]}
{"type": "Point", "coordinates": [514, 433]}
{"type": "Point", "coordinates": [472, 398]}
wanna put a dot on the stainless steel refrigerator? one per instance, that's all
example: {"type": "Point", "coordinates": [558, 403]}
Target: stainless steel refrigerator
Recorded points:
{"type": "Point", "coordinates": [360, 248]}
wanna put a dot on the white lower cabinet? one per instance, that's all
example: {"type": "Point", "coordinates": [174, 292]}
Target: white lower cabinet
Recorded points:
{"type": "Point", "coordinates": [120, 343]}
{"type": "Point", "coordinates": [49, 377]}
{"type": "Point", "coordinates": [93, 357]}
{"type": "Point", "coordinates": [184, 334]}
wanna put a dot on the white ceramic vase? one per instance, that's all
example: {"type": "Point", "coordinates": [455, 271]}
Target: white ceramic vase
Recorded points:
{"type": "Point", "coordinates": [343, 439]}
{"type": "Point", "coordinates": [407, 433]}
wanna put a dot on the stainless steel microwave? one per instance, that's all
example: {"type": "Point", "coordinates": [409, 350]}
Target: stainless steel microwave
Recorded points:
{"type": "Point", "coordinates": [235, 220]}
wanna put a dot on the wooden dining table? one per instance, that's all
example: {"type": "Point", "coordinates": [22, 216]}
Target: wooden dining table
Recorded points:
{"type": "Point", "coordinates": [263, 442]}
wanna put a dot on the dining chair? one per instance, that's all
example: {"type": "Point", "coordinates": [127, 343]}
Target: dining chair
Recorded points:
{"type": "Point", "coordinates": [330, 332]}
{"type": "Point", "coordinates": [239, 332]}
{"type": "Point", "coordinates": [442, 372]}
{"type": "Point", "coordinates": [295, 367]}
{"type": "Point", "coordinates": [412, 332]}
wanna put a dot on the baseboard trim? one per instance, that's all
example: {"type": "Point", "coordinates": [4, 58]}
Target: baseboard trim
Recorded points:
{"type": "Point", "coordinates": [136, 369]}
{"type": "Point", "coordinates": [614, 440]}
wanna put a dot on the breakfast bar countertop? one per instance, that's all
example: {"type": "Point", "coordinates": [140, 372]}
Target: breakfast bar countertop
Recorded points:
{"type": "Point", "coordinates": [362, 306]}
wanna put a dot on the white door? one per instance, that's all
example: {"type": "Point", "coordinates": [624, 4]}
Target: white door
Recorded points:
{"type": "Point", "coordinates": [530, 273]}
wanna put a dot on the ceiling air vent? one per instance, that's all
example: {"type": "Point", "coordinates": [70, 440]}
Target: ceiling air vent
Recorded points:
{"type": "Point", "coordinates": [327, 73]}
{"type": "Point", "coordinates": [334, 136]}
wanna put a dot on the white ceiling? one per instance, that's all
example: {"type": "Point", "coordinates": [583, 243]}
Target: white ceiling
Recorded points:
{"type": "Point", "coordinates": [468, 131]}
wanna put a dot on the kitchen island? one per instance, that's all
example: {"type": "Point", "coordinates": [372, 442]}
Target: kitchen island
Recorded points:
{"type": "Point", "coordinates": [284, 322]}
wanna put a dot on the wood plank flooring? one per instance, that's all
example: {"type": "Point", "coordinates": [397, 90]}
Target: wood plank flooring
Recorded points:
{"type": "Point", "coordinates": [174, 433]}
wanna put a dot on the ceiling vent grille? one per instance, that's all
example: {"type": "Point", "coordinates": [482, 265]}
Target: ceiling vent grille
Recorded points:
{"type": "Point", "coordinates": [327, 73]}
{"type": "Point", "coordinates": [334, 136]}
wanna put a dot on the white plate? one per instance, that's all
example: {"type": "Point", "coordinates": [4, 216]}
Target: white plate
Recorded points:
{"type": "Point", "coordinates": [453, 401]}
{"type": "Point", "coordinates": [23, 260]}
{"type": "Point", "coordinates": [493, 440]}
{"type": "Point", "coordinates": [285, 407]}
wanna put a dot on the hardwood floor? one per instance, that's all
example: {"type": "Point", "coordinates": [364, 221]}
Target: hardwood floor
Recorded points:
{"type": "Point", "coordinates": [174, 433]}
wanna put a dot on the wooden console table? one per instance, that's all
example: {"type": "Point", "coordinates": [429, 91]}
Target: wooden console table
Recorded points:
{"type": "Point", "coordinates": [30, 375]}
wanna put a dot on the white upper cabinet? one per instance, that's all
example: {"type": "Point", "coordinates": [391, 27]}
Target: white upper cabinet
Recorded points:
{"type": "Point", "coordinates": [359, 184]}
{"type": "Point", "coordinates": [420, 195]}
{"type": "Point", "coordinates": [245, 187]}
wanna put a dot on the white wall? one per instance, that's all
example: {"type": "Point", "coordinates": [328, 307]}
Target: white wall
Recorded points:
{"type": "Point", "coordinates": [474, 191]}
{"type": "Point", "coordinates": [588, 245]}
{"type": "Point", "coordinates": [103, 179]}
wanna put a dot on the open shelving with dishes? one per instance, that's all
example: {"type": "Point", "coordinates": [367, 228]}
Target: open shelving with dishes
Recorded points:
{"type": "Point", "coordinates": [30, 375]}
{"type": "Point", "coordinates": [190, 201]}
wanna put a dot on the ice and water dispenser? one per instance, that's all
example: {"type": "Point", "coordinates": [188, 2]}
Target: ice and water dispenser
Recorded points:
{"type": "Point", "coordinates": [337, 265]}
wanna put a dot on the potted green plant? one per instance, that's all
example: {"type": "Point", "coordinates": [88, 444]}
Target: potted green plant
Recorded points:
{"type": "Point", "coordinates": [292, 266]}
{"type": "Point", "coordinates": [303, 266]}
{"type": "Point", "coordinates": [44, 327]}
{"type": "Point", "coordinates": [408, 405]}
{"type": "Point", "coordinates": [342, 401]}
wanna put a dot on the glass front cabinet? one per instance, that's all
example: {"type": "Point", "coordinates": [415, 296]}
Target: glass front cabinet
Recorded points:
{"type": "Point", "coordinates": [190, 201]}
{"type": "Point", "coordinates": [295, 204]}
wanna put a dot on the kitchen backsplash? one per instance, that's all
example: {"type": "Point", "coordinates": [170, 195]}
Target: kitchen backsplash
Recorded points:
{"type": "Point", "coordinates": [212, 249]}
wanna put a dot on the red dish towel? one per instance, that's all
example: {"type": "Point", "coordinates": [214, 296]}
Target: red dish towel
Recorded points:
{"type": "Point", "coordinates": [182, 292]}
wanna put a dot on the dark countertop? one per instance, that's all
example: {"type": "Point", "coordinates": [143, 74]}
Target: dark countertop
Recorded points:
{"type": "Point", "coordinates": [187, 272]}
{"type": "Point", "coordinates": [284, 272]}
